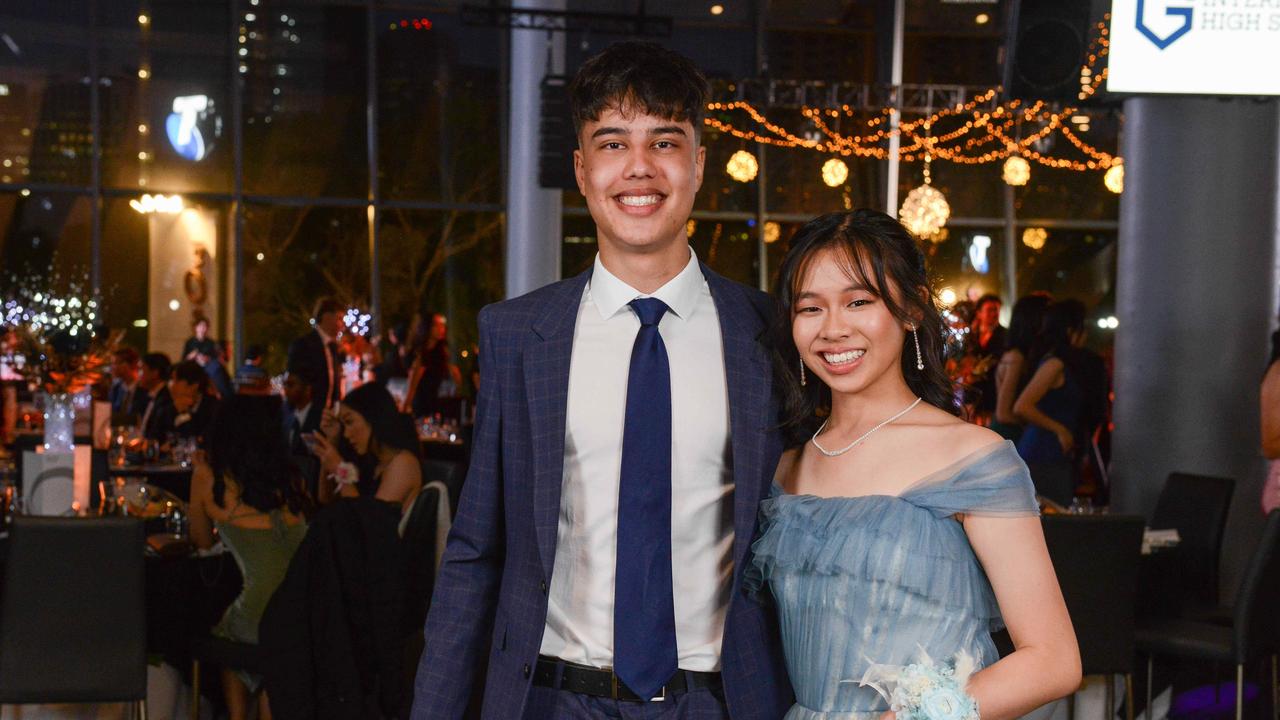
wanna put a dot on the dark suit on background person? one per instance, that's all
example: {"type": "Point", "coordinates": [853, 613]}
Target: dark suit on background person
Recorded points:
{"type": "Point", "coordinates": [157, 415]}
{"type": "Point", "coordinates": [490, 605]}
{"type": "Point", "coordinates": [307, 355]}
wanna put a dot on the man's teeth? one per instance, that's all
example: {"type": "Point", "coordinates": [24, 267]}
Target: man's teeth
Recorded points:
{"type": "Point", "coordinates": [639, 200]}
{"type": "Point", "coordinates": [844, 357]}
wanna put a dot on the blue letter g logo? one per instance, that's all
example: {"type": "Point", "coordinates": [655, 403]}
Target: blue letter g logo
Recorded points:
{"type": "Point", "coordinates": [1164, 42]}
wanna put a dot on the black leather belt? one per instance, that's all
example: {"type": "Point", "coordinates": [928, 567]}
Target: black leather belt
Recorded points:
{"type": "Point", "coordinates": [601, 682]}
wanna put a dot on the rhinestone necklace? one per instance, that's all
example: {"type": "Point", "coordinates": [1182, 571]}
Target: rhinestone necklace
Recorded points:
{"type": "Point", "coordinates": [867, 434]}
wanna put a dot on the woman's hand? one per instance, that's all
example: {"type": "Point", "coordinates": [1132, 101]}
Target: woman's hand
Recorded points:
{"type": "Point", "coordinates": [330, 425]}
{"type": "Point", "coordinates": [327, 452]}
{"type": "Point", "coordinates": [1065, 439]}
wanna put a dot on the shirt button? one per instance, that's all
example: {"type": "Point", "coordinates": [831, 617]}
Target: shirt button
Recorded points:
{"type": "Point", "coordinates": [526, 669]}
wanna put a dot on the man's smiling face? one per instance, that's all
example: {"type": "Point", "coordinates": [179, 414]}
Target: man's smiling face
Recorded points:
{"type": "Point", "coordinates": [639, 174]}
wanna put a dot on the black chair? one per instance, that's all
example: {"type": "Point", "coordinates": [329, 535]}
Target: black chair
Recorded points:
{"type": "Point", "coordinates": [1254, 632]}
{"type": "Point", "coordinates": [422, 541]}
{"type": "Point", "coordinates": [1196, 506]}
{"type": "Point", "coordinates": [1096, 560]}
{"type": "Point", "coordinates": [451, 473]}
{"type": "Point", "coordinates": [72, 619]}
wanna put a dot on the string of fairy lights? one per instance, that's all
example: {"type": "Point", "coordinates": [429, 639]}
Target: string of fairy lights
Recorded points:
{"type": "Point", "coordinates": [970, 133]}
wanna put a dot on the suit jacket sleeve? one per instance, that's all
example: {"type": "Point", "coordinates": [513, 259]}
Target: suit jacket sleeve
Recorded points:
{"type": "Point", "coordinates": [459, 626]}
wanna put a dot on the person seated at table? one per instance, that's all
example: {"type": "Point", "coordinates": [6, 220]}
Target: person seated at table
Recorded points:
{"type": "Point", "coordinates": [123, 395]}
{"type": "Point", "coordinates": [158, 403]}
{"type": "Point", "coordinates": [380, 456]}
{"type": "Point", "coordinates": [193, 408]}
{"type": "Point", "coordinates": [245, 490]}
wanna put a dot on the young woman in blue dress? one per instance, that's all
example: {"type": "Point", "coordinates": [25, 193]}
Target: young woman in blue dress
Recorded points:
{"type": "Point", "coordinates": [897, 534]}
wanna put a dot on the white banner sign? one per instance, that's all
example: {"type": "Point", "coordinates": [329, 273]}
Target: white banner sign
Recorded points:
{"type": "Point", "coordinates": [1197, 47]}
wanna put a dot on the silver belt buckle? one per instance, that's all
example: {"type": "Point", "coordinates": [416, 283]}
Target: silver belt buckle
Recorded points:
{"type": "Point", "coordinates": [662, 695]}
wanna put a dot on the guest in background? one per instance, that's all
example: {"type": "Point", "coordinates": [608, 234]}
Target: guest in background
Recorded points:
{"type": "Point", "coordinates": [200, 344]}
{"type": "Point", "coordinates": [1013, 371]}
{"type": "Point", "coordinates": [317, 355]}
{"type": "Point", "coordinates": [382, 454]}
{"type": "Point", "coordinates": [1053, 403]}
{"type": "Point", "coordinates": [193, 407]}
{"type": "Point", "coordinates": [124, 396]}
{"type": "Point", "coordinates": [9, 379]}
{"type": "Point", "coordinates": [247, 491]}
{"type": "Point", "coordinates": [393, 353]}
{"type": "Point", "coordinates": [1271, 426]}
{"type": "Point", "coordinates": [432, 367]}
{"type": "Point", "coordinates": [158, 403]}
{"type": "Point", "coordinates": [985, 345]}
{"type": "Point", "coordinates": [301, 422]}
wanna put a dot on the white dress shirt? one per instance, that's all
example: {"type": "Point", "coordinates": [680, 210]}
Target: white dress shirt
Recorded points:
{"type": "Point", "coordinates": [580, 610]}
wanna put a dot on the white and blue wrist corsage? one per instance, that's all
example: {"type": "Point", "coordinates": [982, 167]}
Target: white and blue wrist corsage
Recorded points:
{"type": "Point", "coordinates": [926, 690]}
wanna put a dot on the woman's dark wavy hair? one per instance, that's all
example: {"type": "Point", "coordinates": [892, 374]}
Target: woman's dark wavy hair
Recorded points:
{"type": "Point", "coordinates": [246, 443]}
{"type": "Point", "coordinates": [1061, 319]}
{"type": "Point", "coordinates": [878, 252]}
{"type": "Point", "coordinates": [389, 427]}
{"type": "Point", "coordinates": [1026, 321]}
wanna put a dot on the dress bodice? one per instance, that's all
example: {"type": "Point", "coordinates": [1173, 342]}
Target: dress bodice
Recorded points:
{"type": "Point", "coordinates": [876, 579]}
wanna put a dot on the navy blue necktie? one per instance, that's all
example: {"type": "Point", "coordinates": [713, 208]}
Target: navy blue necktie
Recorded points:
{"type": "Point", "coordinates": [644, 617]}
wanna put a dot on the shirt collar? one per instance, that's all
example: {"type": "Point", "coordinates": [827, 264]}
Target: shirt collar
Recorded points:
{"type": "Point", "coordinates": [301, 413]}
{"type": "Point", "coordinates": [323, 337]}
{"type": "Point", "coordinates": [610, 294]}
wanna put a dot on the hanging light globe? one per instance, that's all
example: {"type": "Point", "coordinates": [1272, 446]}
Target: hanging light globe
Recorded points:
{"type": "Point", "coordinates": [1017, 171]}
{"type": "Point", "coordinates": [1035, 237]}
{"type": "Point", "coordinates": [925, 211]}
{"type": "Point", "coordinates": [742, 166]}
{"type": "Point", "coordinates": [772, 231]}
{"type": "Point", "coordinates": [1114, 179]}
{"type": "Point", "coordinates": [834, 172]}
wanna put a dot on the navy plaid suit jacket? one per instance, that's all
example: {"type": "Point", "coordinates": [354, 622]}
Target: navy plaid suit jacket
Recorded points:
{"type": "Point", "coordinates": [490, 602]}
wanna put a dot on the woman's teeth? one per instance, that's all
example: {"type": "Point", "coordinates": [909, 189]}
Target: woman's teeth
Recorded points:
{"type": "Point", "coordinates": [639, 200]}
{"type": "Point", "coordinates": [844, 357]}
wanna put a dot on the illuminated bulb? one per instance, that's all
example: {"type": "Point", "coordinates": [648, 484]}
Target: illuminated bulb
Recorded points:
{"type": "Point", "coordinates": [142, 129]}
{"type": "Point", "coordinates": [1017, 171]}
{"type": "Point", "coordinates": [947, 296]}
{"type": "Point", "coordinates": [982, 19]}
{"type": "Point", "coordinates": [690, 227]}
{"type": "Point", "coordinates": [142, 155]}
{"type": "Point", "coordinates": [925, 211]}
{"type": "Point", "coordinates": [742, 166]}
{"type": "Point", "coordinates": [717, 9]}
{"type": "Point", "coordinates": [261, 257]}
{"type": "Point", "coordinates": [834, 172]}
{"type": "Point", "coordinates": [1114, 179]}
{"type": "Point", "coordinates": [143, 19]}
{"type": "Point", "coordinates": [1035, 237]}
{"type": "Point", "coordinates": [772, 231]}
{"type": "Point", "coordinates": [143, 73]}
{"type": "Point", "coordinates": [174, 305]}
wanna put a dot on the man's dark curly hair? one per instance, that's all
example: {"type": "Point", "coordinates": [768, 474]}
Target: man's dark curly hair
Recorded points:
{"type": "Point", "coordinates": [635, 76]}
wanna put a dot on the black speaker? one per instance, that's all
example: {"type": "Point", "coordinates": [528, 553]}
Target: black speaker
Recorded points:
{"type": "Point", "coordinates": [556, 138]}
{"type": "Point", "coordinates": [1046, 43]}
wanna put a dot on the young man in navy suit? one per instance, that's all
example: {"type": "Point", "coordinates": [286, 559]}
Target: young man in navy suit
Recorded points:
{"type": "Point", "coordinates": [625, 438]}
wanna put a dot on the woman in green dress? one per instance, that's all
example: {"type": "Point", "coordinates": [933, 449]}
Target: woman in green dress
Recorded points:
{"type": "Point", "coordinates": [245, 493]}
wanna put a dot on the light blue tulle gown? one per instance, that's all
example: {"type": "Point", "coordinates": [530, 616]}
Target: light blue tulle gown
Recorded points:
{"type": "Point", "coordinates": [876, 579]}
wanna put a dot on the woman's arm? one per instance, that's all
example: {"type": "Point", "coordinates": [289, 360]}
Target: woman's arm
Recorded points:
{"type": "Point", "coordinates": [401, 479]}
{"type": "Point", "coordinates": [1047, 377]}
{"type": "Point", "coordinates": [1007, 374]}
{"type": "Point", "coordinates": [201, 508]}
{"type": "Point", "coordinates": [1271, 412]}
{"type": "Point", "coordinates": [1045, 664]}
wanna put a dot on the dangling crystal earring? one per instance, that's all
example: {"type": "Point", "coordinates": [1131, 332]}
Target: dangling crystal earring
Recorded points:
{"type": "Point", "coordinates": [919, 358]}
{"type": "Point", "coordinates": [802, 373]}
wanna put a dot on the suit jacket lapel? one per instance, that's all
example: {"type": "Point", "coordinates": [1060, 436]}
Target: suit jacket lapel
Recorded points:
{"type": "Point", "coordinates": [750, 384]}
{"type": "Point", "coordinates": [546, 379]}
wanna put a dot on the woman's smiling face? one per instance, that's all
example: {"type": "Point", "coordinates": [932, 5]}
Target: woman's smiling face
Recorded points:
{"type": "Point", "coordinates": [843, 329]}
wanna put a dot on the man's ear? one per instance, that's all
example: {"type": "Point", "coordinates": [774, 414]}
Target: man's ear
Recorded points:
{"type": "Point", "coordinates": [579, 171]}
